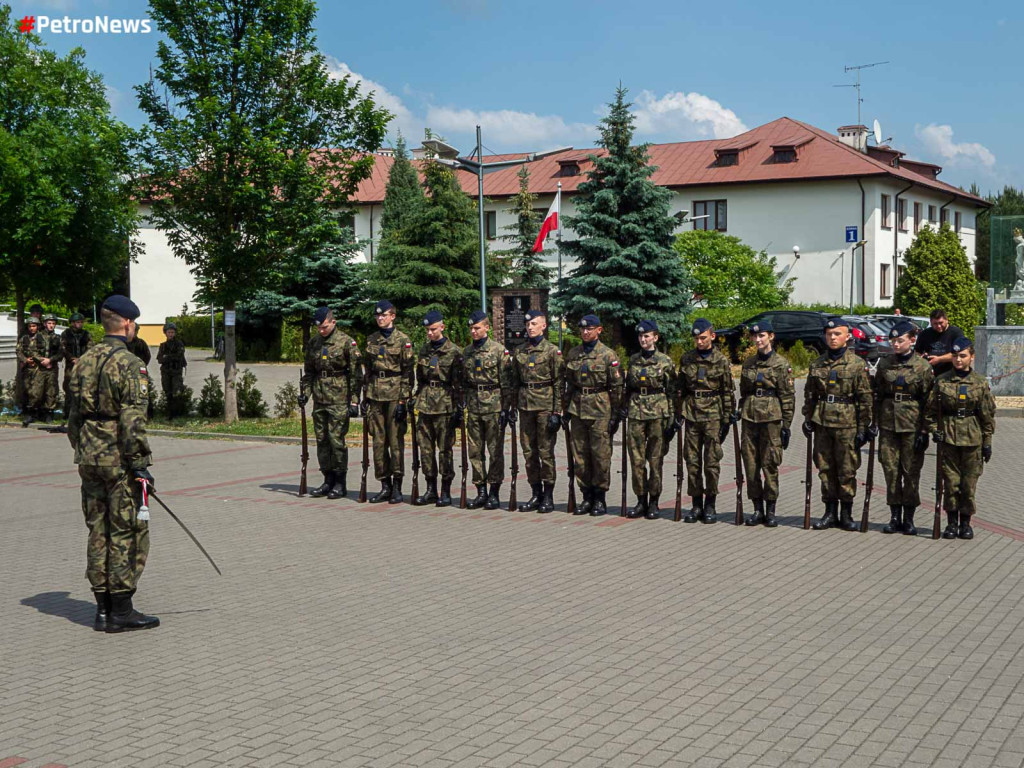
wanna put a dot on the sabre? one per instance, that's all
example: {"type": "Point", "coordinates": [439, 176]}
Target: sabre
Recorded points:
{"type": "Point", "coordinates": [183, 527]}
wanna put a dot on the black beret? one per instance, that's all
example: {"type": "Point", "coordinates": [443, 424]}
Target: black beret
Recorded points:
{"type": "Point", "coordinates": [837, 322]}
{"type": "Point", "coordinates": [76, 316]}
{"type": "Point", "coordinates": [36, 308]}
{"type": "Point", "coordinates": [762, 326]}
{"type": "Point", "coordinates": [122, 306]}
{"type": "Point", "coordinates": [477, 317]}
{"type": "Point", "coordinates": [320, 315]}
{"type": "Point", "coordinates": [383, 306]}
{"type": "Point", "coordinates": [433, 316]}
{"type": "Point", "coordinates": [901, 328]}
{"type": "Point", "coordinates": [590, 321]}
{"type": "Point", "coordinates": [700, 325]}
{"type": "Point", "coordinates": [170, 326]}
{"type": "Point", "coordinates": [532, 313]}
{"type": "Point", "coordinates": [646, 326]}
{"type": "Point", "coordinates": [961, 344]}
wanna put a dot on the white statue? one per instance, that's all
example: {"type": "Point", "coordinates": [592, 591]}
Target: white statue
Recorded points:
{"type": "Point", "coordinates": [1018, 240]}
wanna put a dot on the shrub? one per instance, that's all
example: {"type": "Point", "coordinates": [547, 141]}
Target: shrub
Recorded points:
{"type": "Point", "coordinates": [185, 403]}
{"type": "Point", "coordinates": [211, 399]}
{"type": "Point", "coordinates": [250, 400]}
{"type": "Point", "coordinates": [285, 401]}
{"type": "Point", "coordinates": [7, 395]}
{"type": "Point", "coordinates": [799, 357]}
{"type": "Point", "coordinates": [194, 330]}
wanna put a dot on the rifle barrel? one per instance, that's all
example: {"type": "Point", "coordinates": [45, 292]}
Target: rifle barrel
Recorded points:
{"type": "Point", "coordinates": [807, 483]}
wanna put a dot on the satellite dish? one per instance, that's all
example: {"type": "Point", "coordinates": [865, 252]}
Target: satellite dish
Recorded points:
{"type": "Point", "coordinates": [878, 133]}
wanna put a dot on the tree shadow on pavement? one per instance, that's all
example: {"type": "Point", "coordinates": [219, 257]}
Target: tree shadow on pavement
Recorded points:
{"type": "Point", "coordinates": [288, 489]}
{"type": "Point", "coordinates": [60, 604]}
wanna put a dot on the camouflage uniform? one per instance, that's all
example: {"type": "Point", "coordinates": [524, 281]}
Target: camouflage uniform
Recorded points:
{"type": "Point", "coordinates": [838, 403]}
{"type": "Point", "coordinates": [901, 387]}
{"type": "Point", "coordinates": [331, 372]}
{"type": "Point", "coordinates": [141, 350]}
{"type": "Point", "coordinates": [73, 344]}
{"type": "Point", "coordinates": [706, 403]}
{"type": "Point", "coordinates": [537, 374]}
{"type": "Point", "coordinates": [438, 398]}
{"type": "Point", "coordinates": [107, 428]}
{"type": "Point", "coordinates": [967, 411]}
{"type": "Point", "coordinates": [388, 366]}
{"type": "Point", "coordinates": [767, 405]}
{"type": "Point", "coordinates": [650, 392]}
{"type": "Point", "coordinates": [39, 383]}
{"type": "Point", "coordinates": [487, 384]}
{"type": "Point", "coordinates": [171, 357]}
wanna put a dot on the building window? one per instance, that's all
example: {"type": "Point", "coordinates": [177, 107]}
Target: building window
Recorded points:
{"type": "Point", "coordinates": [491, 220]}
{"type": "Point", "coordinates": [784, 155]}
{"type": "Point", "coordinates": [931, 214]}
{"type": "Point", "coordinates": [886, 212]}
{"type": "Point", "coordinates": [956, 221]}
{"type": "Point", "coordinates": [901, 215]}
{"type": "Point", "coordinates": [917, 217]}
{"type": "Point", "coordinates": [944, 217]}
{"type": "Point", "coordinates": [899, 273]}
{"type": "Point", "coordinates": [710, 214]}
{"type": "Point", "coordinates": [569, 168]}
{"type": "Point", "coordinates": [727, 158]}
{"type": "Point", "coordinates": [347, 221]}
{"type": "Point", "coordinates": [883, 282]}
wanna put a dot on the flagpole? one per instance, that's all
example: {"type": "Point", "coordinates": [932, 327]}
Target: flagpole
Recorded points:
{"type": "Point", "coordinates": [558, 247]}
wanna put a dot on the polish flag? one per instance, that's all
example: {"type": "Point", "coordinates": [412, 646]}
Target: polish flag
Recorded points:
{"type": "Point", "coordinates": [550, 223]}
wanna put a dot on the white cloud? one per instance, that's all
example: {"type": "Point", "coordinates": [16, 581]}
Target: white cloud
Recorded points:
{"type": "Point", "coordinates": [938, 139]}
{"type": "Point", "coordinates": [404, 120]}
{"type": "Point", "coordinates": [681, 116]}
{"type": "Point", "coordinates": [518, 130]}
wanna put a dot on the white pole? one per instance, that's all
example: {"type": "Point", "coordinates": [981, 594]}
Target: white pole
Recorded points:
{"type": "Point", "coordinates": [558, 248]}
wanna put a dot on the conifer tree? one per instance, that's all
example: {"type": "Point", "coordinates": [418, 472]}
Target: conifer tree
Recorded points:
{"type": "Point", "coordinates": [626, 267]}
{"type": "Point", "coordinates": [526, 268]}
{"type": "Point", "coordinates": [403, 193]}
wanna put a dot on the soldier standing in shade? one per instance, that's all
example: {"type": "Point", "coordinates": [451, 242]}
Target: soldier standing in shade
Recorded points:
{"type": "Point", "coordinates": [389, 367]}
{"type": "Point", "coordinates": [439, 405]}
{"type": "Point", "coordinates": [706, 403]}
{"type": "Point", "coordinates": [107, 429]}
{"type": "Point", "coordinates": [30, 356]}
{"type": "Point", "coordinates": [487, 381]}
{"type": "Point", "coordinates": [331, 371]}
{"type": "Point", "coordinates": [650, 392]}
{"type": "Point", "coordinates": [73, 343]}
{"type": "Point", "coordinates": [593, 399]}
{"type": "Point", "coordinates": [837, 412]}
{"type": "Point", "coordinates": [963, 401]}
{"type": "Point", "coordinates": [140, 348]}
{"type": "Point", "coordinates": [171, 357]}
{"type": "Point", "coordinates": [902, 383]}
{"type": "Point", "coordinates": [20, 392]}
{"type": "Point", "coordinates": [537, 378]}
{"type": "Point", "coordinates": [766, 408]}
{"type": "Point", "coordinates": [54, 353]}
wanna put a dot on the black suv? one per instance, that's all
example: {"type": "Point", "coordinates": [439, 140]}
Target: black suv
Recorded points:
{"type": "Point", "coordinates": [792, 326]}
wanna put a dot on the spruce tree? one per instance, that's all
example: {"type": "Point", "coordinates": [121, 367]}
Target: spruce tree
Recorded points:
{"type": "Point", "coordinates": [403, 193]}
{"type": "Point", "coordinates": [525, 267]}
{"type": "Point", "coordinates": [626, 267]}
{"type": "Point", "coordinates": [938, 274]}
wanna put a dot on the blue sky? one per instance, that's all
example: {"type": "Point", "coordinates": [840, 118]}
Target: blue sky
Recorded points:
{"type": "Point", "coordinates": [536, 75]}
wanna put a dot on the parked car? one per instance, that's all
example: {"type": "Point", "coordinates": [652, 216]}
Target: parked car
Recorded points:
{"type": "Point", "coordinates": [886, 322]}
{"type": "Point", "coordinates": [869, 340]}
{"type": "Point", "coordinates": [808, 327]}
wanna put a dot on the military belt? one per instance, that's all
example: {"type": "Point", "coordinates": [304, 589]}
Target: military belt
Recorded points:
{"type": "Point", "coordinates": [386, 374]}
{"type": "Point", "coordinates": [436, 383]}
{"type": "Point", "coordinates": [649, 390]}
{"type": "Point", "coordinates": [334, 375]}
{"type": "Point", "coordinates": [704, 393]}
{"type": "Point", "coordinates": [539, 384]}
{"type": "Point", "coordinates": [960, 413]}
{"type": "Point", "coordinates": [766, 392]}
{"type": "Point", "coordinates": [486, 387]}
{"type": "Point", "coordinates": [900, 397]}
{"type": "Point", "coordinates": [844, 399]}
{"type": "Point", "coordinates": [591, 390]}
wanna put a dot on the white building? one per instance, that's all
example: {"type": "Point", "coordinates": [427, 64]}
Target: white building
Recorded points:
{"type": "Point", "coordinates": [779, 187]}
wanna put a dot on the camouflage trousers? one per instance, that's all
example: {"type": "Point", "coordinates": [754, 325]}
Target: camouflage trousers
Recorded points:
{"type": "Point", "coordinates": [40, 388]}
{"type": "Point", "coordinates": [761, 449]}
{"type": "Point", "coordinates": [962, 465]}
{"type": "Point", "coordinates": [902, 467]}
{"type": "Point", "coordinates": [484, 434]}
{"type": "Point", "coordinates": [388, 438]}
{"type": "Point", "coordinates": [118, 540]}
{"type": "Point", "coordinates": [538, 446]}
{"type": "Point", "coordinates": [645, 443]}
{"type": "Point", "coordinates": [330, 425]}
{"type": "Point", "coordinates": [702, 451]}
{"type": "Point", "coordinates": [592, 452]}
{"type": "Point", "coordinates": [435, 437]}
{"type": "Point", "coordinates": [837, 462]}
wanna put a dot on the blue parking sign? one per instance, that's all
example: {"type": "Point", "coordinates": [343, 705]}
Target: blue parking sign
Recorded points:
{"type": "Point", "coordinates": [851, 235]}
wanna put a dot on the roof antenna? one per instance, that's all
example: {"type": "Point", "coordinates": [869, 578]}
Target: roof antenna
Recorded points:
{"type": "Point", "coordinates": [857, 68]}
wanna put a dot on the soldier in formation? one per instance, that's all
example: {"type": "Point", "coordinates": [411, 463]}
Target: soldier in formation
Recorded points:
{"type": "Point", "coordinates": [537, 374]}
{"type": "Point", "coordinates": [331, 371]}
{"type": "Point", "coordinates": [766, 407]}
{"type": "Point", "coordinates": [487, 387]}
{"type": "Point", "coordinates": [73, 343]}
{"type": "Point", "coordinates": [107, 429]}
{"type": "Point", "coordinates": [837, 412]}
{"type": "Point", "coordinates": [706, 404]}
{"type": "Point", "coordinates": [649, 393]}
{"type": "Point", "coordinates": [39, 354]}
{"type": "Point", "coordinates": [171, 357]}
{"type": "Point", "coordinates": [439, 405]}
{"type": "Point", "coordinates": [960, 414]}
{"type": "Point", "coordinates": [389, 369]}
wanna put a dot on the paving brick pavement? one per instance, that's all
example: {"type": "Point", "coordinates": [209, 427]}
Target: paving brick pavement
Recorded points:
{"type": "Point", "coordinates": [379, 635]}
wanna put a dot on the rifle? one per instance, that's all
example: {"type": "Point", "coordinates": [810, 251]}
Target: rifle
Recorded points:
{"type": "Point", "coordinates": [305, 442]}
{"type": "Point", "coordinates": [624, 468]}
{"type": "Point", "coordinates": [867, 487]}
{"type": "Point", "coordinates": [739, 473]}
{"type": "Point", "coordinates": [515, 469]}
{"type": "Point", "coordinates": [366, 457]}
{"type": "Point", "coordinates": [937, 524]}
{"type": "Point", "coordinates": [570, 507]}
{"type": "Point", "coordinates": [807, 484]}
{"type": "Point", "coordinates": [679, 476]}
{"type": "Point", "coordinates": [465, 462]}
{"type": "Point", "coordinates": [415, 457]}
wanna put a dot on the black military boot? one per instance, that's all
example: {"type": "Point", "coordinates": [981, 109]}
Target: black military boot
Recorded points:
{"type": "Point", "coordinates": [430, 494]}
{"type": "Point", "coordinates": [710, 513]}
{"type": "Point", "coordinates": [102, 611]}
{"type": "Point", "coordinates": [652, 512]}
{"type": "Point", "coordinates": [385, 492]}
{"type": "Point", "coordinates": [124, 618]}
{"type": "Point", "coordinates": [480, 499]}
{"type": "Point", "coordinates": [758, 517]}
{"type": "Point", "coordinates": [444, 499]}
{"type": "Point", "coordinates": [952, 524]}
{"type": "Point", "coordinates": [830, 518]}
{"type": "Point", "coordinates": [325, 487]}
{"type": "Point", "coordinates": [641, 507]}
{"type": "Point", "coordinates": [895, 524]}
{"type": "Point", "coordinates": [396, 491]}
{"type": "Point", "coordinates": [696, 510]}
{"type": "Point", "coordinates": [547, 502]}
{"type": "Point", "coordinates": [769, 514]}
{"type": "Point", "coordinates": [599, 507]}
{"type": "Point", "coordinates": [27, 417]}
{"type": "Point", "coordinates": [965, 532]}
{"type": "Point", "coordinates": [340, 487]}
{"type": "Point", "coordinates": [584, 507]}
{"type": "Point", "coordinates": [533, 503]}
{"type": "Point", "coordinates": [493, 500]}
{"type": "Point", "coordinates": [908, 520]}
{"type": "Point", "coordinates": [846, 516]}
{"type": "Point", "coordinates": [47, 417]}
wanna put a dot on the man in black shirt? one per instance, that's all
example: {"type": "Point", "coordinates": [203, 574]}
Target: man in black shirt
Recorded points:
{"type": "Point", "coordinates": [935, 343]}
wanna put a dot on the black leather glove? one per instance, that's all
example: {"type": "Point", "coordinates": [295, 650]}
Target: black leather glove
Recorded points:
{"type": "Point", "coordinates": [456, 419]}
{"type": "Point", "coordinates": [921, 442]}
{"type": "Point", "coordinates": [512, 416]}
{"type": "Point", "coordinates": [860, 440]}
{"type": "Point", "coordinates": [785, 434]}
{"type": "Point", "coordinates": [401, 413]}
{"type": "Point", "coordinates": [613, 425]}
{"type": "Point", "coordinates": [353, 410]}
{"type": "Point", "coordinates": [555, 423]}
{"type": "Point", "coordinates": [873, 431]}
{"type": "Point", "coordinates": [503, 419]}
{"type": "Point", "coordinates": [938, 437]}
{"type": "Point", "coordinates": [673, 427]}
{"type": "Point", "coordinates": [303, 399]}
{"type": "Point", "coordinates": [363, 406]}
{"type": "Point", "coordinates": [723, 431]}
{"type": "Point", "coordinates": [143, 474]}
{"type": "Point", "coordinates": [807, 428]}
{"type": "Point", "coordinates": [986, 453]}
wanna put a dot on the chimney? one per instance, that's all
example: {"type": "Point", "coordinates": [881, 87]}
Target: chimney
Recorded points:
{"type": "Point", "coordinates": [855, 136]}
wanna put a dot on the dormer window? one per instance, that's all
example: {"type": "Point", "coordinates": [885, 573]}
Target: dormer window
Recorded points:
{"type": "Point", "coordinates": [568, 167]}
{"type": "Point", "coordinates": [783, 154]}
{"type": "Point", "coordinates": [726, 157]}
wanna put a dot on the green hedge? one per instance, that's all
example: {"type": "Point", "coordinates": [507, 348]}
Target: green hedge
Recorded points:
{"type": "Point", "coordinates": [194, 330]}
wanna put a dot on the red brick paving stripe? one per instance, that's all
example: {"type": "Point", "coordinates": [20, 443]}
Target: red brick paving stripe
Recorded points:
{"type": "Point", "coordinates": [53, 765]}
{"type": "Point", "coordinates": [10, 762]}
{"type": "Point", "coordinates": [1000, 529]}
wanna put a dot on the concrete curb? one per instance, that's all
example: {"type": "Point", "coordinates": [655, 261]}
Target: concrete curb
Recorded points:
{"type": "Point", "coordinates": [1010, 413]}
